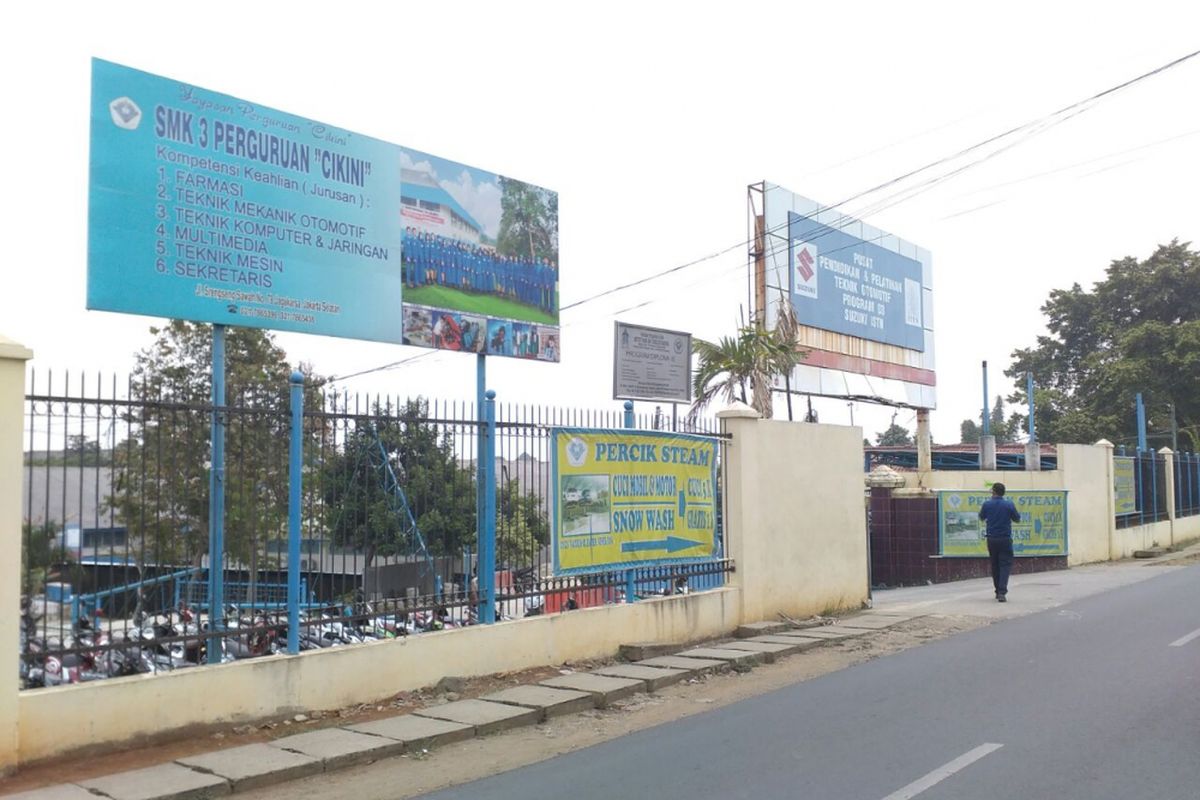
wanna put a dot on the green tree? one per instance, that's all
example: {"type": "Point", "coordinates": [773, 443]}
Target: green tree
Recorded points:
{"type": "Point", "coordinates": [1005, 430]}
{"type": "Point", "coordinates": [521, 526]}
{"type": "Point", "coordinates": [1138, 330]}
{"type": "Point", "coordinates": [161, 469]}
{"type": "Point", "coordinates": [528, 221]}
{"type": "Point", "coordinates": [440, 493]}
{"type": "Point", "coordinates": [895, 436]}
{"type": "Point", "coordinates": [745, 366]}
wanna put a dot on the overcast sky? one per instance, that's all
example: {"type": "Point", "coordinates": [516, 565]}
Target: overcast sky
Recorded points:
{"type": "Point", "coordinates": [650, 120]}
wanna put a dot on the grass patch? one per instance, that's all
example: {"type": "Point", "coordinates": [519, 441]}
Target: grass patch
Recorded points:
{"type": "Point", "coordinates": [482, 304]}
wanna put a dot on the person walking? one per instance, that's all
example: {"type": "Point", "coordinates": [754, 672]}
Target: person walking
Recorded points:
{"type": "Point", "coordinates": [999, 513]}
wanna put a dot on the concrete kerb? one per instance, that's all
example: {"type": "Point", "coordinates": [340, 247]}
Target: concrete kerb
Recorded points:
{"type": "Point", "coordinates": [65, 791]}
{"type": "Point", "coordinates": [752, 629]}
{"type": "Point", "coordinates": [873, 622]}
{"type": "Point", "coordinates": [416, 733]}
{"type": "Point", "coordinates": [162, 782]}
{"type": "Point", "coordinates": [254, 765]}
{"type": "Point", "coordinates": [655, 678]}
{"type": "Point", "coordinates": [767, 651]}
{"type": "Point", "coordinates": [546, 701]}
{"type": "Point", "coordinates": [603, 689]}
{"type": "Point", "coordinates": [795, 644]}
{"type": "Point", "coordinates": [241, 768]}
{"type": "Point", "coordinates": [481, 715]}
{"type": "Point", "coordinates": [692, 666]}
{"type": "Point", "coordinates": [338, 747]}
{"type": "Point", "coordinates": [736, 658]}
{"type": "Point", "coordinates": [824, 634]}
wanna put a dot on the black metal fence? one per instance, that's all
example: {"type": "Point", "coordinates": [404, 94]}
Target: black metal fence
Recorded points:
{"type": "Point", "coordinates": [1187, 484]}
{"type": "Point", "coordinates": [116, 523]}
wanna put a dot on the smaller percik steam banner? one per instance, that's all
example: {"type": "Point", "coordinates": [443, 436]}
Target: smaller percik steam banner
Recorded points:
{"type": "Point", "coordinates": [625, 498]}
{"type": "Point", "coordinates": [1124, 485]}
{"type": "Point", "coordinates": [1042, 530]}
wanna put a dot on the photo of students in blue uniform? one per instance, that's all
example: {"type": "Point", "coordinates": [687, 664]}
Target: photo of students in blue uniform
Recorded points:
{"type": "Point", "coordinates": [479, 252]}
{"type": "Point", "coordinates": [433, 260]}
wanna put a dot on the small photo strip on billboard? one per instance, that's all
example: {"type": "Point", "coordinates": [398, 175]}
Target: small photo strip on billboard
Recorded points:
{"type": "Point", "coordinates": [418, 326]}
{"type": "Point", "coordinates": [499, 337]}
{"type": "Point", "coordinates": [548, 344]}
{"type": "Point", "coordinates": [459, 332]}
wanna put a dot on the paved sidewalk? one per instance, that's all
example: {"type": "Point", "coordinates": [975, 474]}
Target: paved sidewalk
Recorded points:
{"type": "Point", "coordinates": [241, 769]}
{"type": "Point", "coordinates": [1027, 594]}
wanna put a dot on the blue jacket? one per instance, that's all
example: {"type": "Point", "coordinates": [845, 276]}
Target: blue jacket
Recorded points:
{"type": "Point", "coordinates": [1000, 514]}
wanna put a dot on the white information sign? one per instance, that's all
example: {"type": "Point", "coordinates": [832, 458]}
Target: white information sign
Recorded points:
{"type": "Point", "coordinates": [652, 364]}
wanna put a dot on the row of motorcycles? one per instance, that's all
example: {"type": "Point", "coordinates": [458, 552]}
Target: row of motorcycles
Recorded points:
{"type": "Point", "coordinates": [84, 651]}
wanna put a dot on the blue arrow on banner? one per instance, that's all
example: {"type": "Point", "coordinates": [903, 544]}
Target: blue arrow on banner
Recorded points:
{"type": "Point", "coordinates": [671, 544]}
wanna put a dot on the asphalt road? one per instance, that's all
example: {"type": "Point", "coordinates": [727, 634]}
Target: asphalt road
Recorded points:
{"type": "Point", "coordinates": [1099, 698]}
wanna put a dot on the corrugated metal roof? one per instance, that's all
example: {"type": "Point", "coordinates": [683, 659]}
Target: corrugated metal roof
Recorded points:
{"type": "Point", "coordinates": [436, 194]}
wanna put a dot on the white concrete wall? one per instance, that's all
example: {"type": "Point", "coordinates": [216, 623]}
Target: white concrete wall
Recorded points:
{"type": "Point", "coordinates": [795, 525]}
{"type": "Point", "coordinates": [1086, 473]}
{"type": "Point", "coordinates": [1187, 529]}
{"type": "Point", "coordinates": [1088, 478]}
{"type": "Point", "coordinates": [796, 517]}
{"type": "Point", "coordinates": [123, 710]}
{"type": "Point", "coordinates": [1140, 537]}
{"type": "Point", "coordinates": [12, 422]}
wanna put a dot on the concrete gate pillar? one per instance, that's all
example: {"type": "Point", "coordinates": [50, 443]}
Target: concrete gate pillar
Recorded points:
{"type": "Point", "coordinates": [795, 515]}
{"type": "Point", "coordinates": [12, 422]}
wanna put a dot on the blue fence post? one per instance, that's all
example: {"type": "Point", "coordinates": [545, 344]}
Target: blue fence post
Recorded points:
{"type": "Point", "coordinates": [295, 482]}
{"type": "Point", "coordinates": [1195, 479]}
{"type": "Point", "coordinates": [1029, 394]}
{"type": "Point", "coordinates": [487, 547]}
{"type": "Point", "coordinates": [630, 574]}
{"type": "Point", "coordinates": [1154, 482]}
{"type": "Point", "coordinates": [216, 500]}
{"type": "Point", "coordinates": [1141, 422]}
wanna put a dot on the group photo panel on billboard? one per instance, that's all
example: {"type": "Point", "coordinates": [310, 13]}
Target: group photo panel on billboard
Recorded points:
{"type": "Point", "coordinates": [209, 208]}
{"type": "Point", "coordinates": [480, 260]}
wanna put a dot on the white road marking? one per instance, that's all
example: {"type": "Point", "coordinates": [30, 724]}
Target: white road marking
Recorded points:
{"type": "Point", "coordinates": [1185, 639]}
{"type": "Point", "coordinates": [941, 773]}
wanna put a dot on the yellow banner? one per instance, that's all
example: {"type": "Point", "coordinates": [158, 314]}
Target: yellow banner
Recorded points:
{"type": "Point", "coordinates": [624, 498]}
{"type": "Point", "coordinates": [1124, 485]}
{"type": "Point", "coordinates": [1042, 530]}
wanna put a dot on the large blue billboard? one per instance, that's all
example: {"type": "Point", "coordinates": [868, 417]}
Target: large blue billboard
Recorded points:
{"type": "Point", "coordinates": [208, 208]}
{"type": "Point", "coordinates": [841, 283]}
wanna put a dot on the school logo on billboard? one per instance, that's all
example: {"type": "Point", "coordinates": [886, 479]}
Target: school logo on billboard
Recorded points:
{"type": "Point", "coordinates": [125, 113]}
{"type": "Point", "coordinates": [804, 269]}
{"type": "Point", "coordinates": [576, 452]}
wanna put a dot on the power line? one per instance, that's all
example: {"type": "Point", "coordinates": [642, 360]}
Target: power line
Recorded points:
{"type": "Point", "coordinates": [1031, 129]}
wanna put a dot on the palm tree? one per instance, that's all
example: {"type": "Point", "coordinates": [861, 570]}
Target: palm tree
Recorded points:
{"type": "Point", "coordinates": [752, 359]}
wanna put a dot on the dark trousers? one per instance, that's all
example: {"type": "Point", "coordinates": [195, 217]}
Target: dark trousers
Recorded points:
{"type": "Point", "coordinates": [1000, 552]}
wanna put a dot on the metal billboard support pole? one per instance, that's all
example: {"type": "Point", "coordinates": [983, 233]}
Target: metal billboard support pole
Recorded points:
{"type": "Point", "coordinates": [480, 488]}
{"type": "Point", "coordinates": [1033, 451]}
{"type": "Point", "coordinates": [987, 442]}
{"type": "Point", "coordinates": [487, 547]}
{"type": "Point", "coordinates": [987, 421]}
{"type": "Point", "coordinates": [216, 500]}
{"type": "Point", "coordinates": [295, 478]}
{"type": "Point", "coordinates": [1029, 393]}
